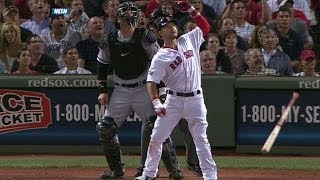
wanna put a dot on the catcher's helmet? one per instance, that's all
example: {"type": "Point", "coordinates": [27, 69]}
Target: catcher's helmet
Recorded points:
{"type": "Point", "coordinates": [129, 12]}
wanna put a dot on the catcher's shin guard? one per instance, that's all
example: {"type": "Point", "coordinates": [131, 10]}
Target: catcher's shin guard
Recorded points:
{"type": "Point", "coordinates": [169, 159]}
{"type": "Point", "coordinates": [111, 147]}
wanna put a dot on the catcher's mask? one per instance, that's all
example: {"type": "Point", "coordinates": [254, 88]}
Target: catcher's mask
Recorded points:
{"type": "Point", "coordinates": [129, 12]}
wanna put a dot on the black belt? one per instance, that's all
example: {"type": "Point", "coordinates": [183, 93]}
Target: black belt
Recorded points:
{"type": "Point", "coordinates": [131, 85]}
{"type": "Point", "coordinates": [190, 94]}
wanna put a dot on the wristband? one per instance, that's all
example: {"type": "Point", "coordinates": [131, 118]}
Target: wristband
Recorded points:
{"type": "Point", "coordinates": [103, 87]}
{"type": "Point", "coordinates": [156, 103]}
{"type": "Point", "coordinates": [192, 11]}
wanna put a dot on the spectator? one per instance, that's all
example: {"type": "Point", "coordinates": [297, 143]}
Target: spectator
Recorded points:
{"type": "Point", "coordinates": [207, 12]}
{"type": "Point", "coordinates": [222, 60]}
{"type": "Point", "coordinates": [189, 26]}
{"type": "Point", "coordinates": [295, 13]}
{"type": "Point", "coordinates": [78, 19]}
{"type": "Point", "coordinates": [254, 60]}
{"type": "Point", "coordinates": [297, 25]}
{"type": "Point", "coordinates": [308, 64]}
{"type": "Point", "coordinates": [2, 6]}
{"type": "Point", "coordinates": [58, 38]}
{"type": "Point", "coordinates": [40, 62]}
{"type": "Point", "coordinates": [236, 55]}
{"type": "Point", "coordinates": [238, 13]}
{"type": "Point", "coordinates": [255, 38]}
{"type": "Point", "coordinates": [301, 5]}
{"type": "Point", "coordinates": [228, 23]}
{"type": "Point", "coordinates": [92, 7]}
{"type": "Point", "coordinates": [24, 62]}
{"type": "Point", "coordinates": [24, 11]}
{"type": "Point", "coordinates": [258, 11]}
{"type": "Point", "coordinates": [47, 7]}
{"type": "Point", "coordinates": [217, 5]}
{"type": "Point", "coordinates": [208, 62]}
{"type": "Point", "coordinates": [273, 57]}
{"type": "Point", "coordinates": [88, 49]}
{"type": "Point", "coordinates": [70, 56]}
{"type": "Point", "coordinates": [141, 4]}
{"type": "Point", "coordinates": [38, 21]}
{"type": "Point", "coordinates": [109, 17]}
{"type": "Point", "coordinates": [290, 42]}
{"type": "Point", "coordinates": [151, 6]}
{"type": "Point", "coordinates": [11, 14]}
{"type": "Point", "coordinates": [11, 44]}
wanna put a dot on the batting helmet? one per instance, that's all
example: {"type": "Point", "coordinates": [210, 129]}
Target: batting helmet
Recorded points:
{"type": "Point", "coordinates": [161, 22]}
{"type": "Point", "coordinates": [154, 16]}
{"type": "Point", "coordinates": [129, 12]}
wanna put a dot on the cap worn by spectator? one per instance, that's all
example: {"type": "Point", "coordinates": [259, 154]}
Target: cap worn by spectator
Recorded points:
{"type": "Point", "coordinates": [282, 3]}
{"type": "Point", "coordinates": [8, 10]}
{"type": "Point", "coordinates": [305, 54]}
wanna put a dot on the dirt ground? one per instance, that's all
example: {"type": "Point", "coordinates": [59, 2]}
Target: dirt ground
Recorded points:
{"type": "Point", "coordinates": [93, 173]}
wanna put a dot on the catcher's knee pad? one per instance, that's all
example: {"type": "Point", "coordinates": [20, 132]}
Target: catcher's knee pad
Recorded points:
{"type": "Point", "coordinates": [107, 129]}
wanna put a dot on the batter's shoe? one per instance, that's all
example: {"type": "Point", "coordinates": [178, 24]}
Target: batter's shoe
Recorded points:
{"type": "Point", "coordinates": [176, 175]}
{"type": "Point", "coordinates": [196, 170]}
{"type": "Point", "coordinates": [112, 174]}
{"type": "Point", "coordinates": [140, 171]}
{"type": "Point", "coordinates": [144, 178]}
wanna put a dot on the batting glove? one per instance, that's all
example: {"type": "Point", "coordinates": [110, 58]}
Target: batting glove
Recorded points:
{"type": "Point", "coordinates": [184, 7]}
{"type": "Point", "coordinates": [159, 108]}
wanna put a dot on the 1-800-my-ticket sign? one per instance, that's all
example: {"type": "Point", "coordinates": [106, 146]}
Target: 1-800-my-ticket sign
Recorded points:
{"type": "Point", "coordinates": [23, 110]}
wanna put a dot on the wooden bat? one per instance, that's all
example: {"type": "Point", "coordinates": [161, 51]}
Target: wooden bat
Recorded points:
{"type": "Point", "coordinates": [274, 133]}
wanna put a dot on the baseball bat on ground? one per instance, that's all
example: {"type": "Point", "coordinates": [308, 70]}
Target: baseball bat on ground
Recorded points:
{"type": "Point", "coordinates": [274, 133]}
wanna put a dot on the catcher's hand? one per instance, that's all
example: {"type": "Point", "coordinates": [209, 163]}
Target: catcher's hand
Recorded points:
{"type": "Point", "coordinates": [103, 99]}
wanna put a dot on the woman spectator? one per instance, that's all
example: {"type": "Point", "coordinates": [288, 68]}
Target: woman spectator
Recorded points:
{"type": "Point", "coordinates": [254, 41]}
{"type": "Point", "coordinates": [11, 44]}
{"type": "Point", "coordinates": [222, 60]}
{"type": "Point", "coordinates": [24, 63]}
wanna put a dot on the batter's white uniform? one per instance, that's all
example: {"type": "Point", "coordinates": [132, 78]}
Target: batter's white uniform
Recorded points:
{"type": "Point", "coordinates": [180, 70]}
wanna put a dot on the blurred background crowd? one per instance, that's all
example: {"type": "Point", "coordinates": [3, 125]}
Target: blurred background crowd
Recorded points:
{"type": "Point", "coordinates": [247, 37]}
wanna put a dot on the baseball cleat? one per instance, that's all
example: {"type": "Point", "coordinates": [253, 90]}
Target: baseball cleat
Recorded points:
{"type": "Point", "coordinates": [196, 170]}
{"type": "Point", "coordinates": [176, 175]}
{"type": "Point", "coordinates": [144, 178]}
{"type": "Point", "coordinates": [112, 175]}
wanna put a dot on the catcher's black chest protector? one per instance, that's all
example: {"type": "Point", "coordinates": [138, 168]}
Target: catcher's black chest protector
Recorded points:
{"type": "Point", "coordinates": [129, 59]}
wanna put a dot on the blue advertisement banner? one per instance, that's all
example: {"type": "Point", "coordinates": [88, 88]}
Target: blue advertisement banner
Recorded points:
{"type": "Point", "coordinates": [56, 116]}
{"type": "Point", "coordinates": [258, 111]}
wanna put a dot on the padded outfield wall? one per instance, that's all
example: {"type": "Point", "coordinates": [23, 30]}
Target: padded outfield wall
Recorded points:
{"type": "Point", "coordinates": [41, 112]}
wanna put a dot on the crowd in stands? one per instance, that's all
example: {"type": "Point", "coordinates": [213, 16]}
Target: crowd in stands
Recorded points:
{"type": "Point", "coordinates": [247, 37]}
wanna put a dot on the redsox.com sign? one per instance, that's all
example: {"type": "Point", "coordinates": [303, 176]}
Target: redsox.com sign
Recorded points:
{"type": "Point", "coordinates": [23, 110]}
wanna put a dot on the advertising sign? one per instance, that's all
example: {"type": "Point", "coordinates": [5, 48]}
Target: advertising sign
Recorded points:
{"type": "Point", "coordinates": [56, 116]}
{"type": "Point", "coordinates": [258, 111]}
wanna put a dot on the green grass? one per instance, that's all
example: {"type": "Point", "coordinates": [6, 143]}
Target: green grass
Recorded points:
{"type": "Point", "coordinates": [228, 162]}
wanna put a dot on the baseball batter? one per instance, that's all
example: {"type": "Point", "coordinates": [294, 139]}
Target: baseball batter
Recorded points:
{"type": "Point", "coordinates": [177, 64]}
{"type": "Point", "coordinates": [129, 50]}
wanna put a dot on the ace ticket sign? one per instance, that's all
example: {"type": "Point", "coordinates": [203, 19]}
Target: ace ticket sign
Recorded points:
{"type": "Point", "coordinates": [23, 110]}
